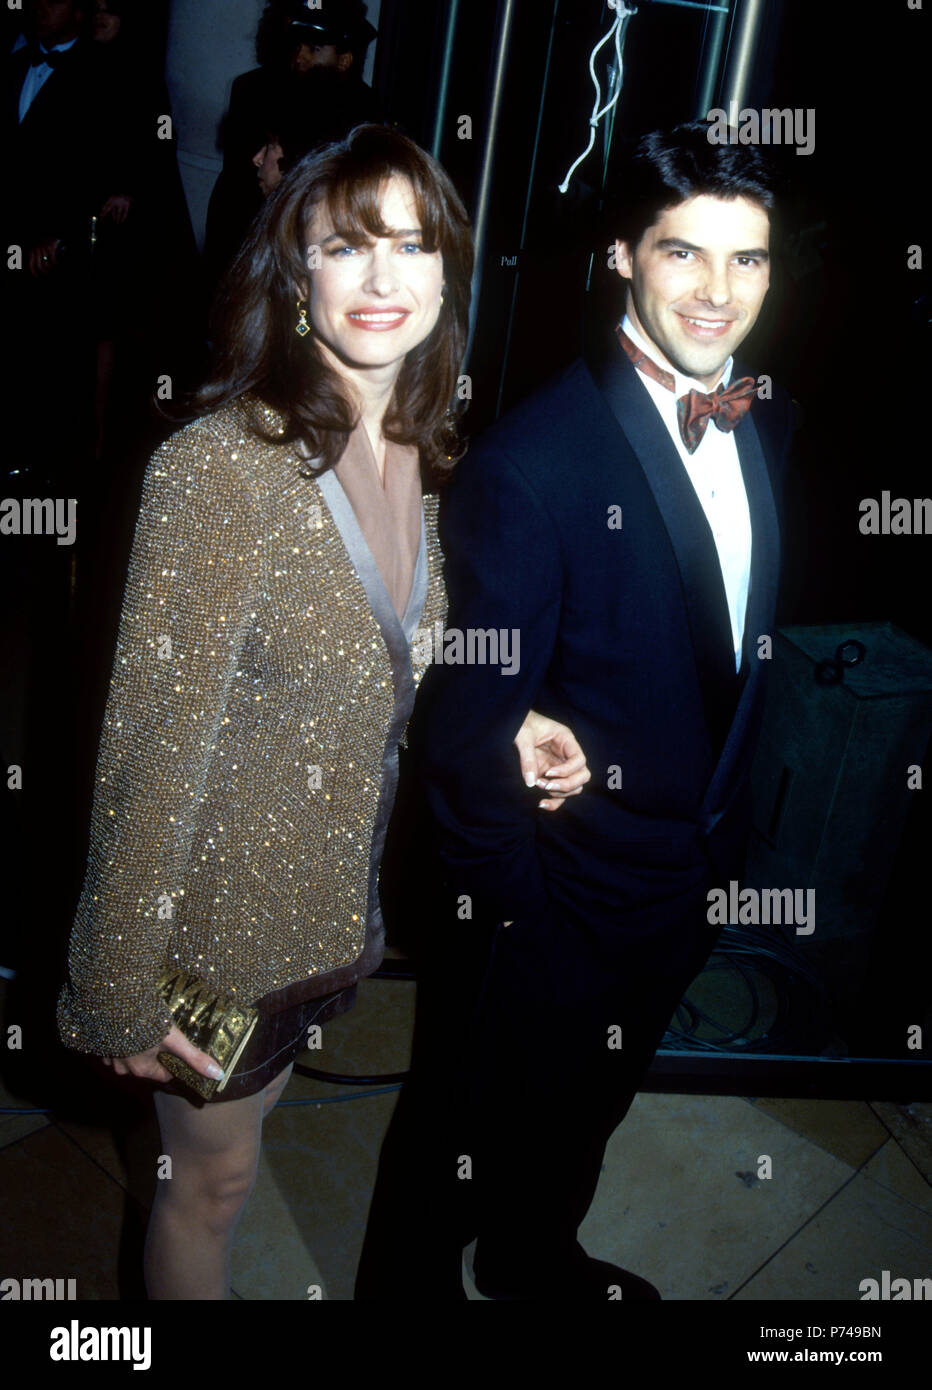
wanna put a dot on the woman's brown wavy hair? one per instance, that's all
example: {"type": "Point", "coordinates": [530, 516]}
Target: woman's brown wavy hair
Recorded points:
{"type": "Point", "coordinates": [256, 347]}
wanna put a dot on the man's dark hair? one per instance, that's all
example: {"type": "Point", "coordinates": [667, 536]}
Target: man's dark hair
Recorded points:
{"type": "Point", "coordinates": [667, 167]}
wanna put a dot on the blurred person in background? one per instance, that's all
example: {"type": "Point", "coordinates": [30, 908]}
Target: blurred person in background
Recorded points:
{"type": "Point", "coordinates": [309, 75]}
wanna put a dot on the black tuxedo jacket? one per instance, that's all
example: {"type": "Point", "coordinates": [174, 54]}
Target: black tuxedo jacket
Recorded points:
{"type": "Point", "coordinates": [624, 635]}
{"type": "Point", "coordinates": [68, 155]}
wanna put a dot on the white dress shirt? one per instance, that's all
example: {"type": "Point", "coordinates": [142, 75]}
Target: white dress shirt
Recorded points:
{"type": "Point", "coordinates": [715, 473]}
{"type": "Point", "coordinates": [36, 77]}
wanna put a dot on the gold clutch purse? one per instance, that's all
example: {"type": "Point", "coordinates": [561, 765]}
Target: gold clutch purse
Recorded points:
{"type": "Point", "coordinates": [214, 1023]}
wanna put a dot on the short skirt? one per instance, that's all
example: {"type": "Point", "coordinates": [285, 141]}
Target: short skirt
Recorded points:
{"type": "Point", "coordinates": [278, 1037]}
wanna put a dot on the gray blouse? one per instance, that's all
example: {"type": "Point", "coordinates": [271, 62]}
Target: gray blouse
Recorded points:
{"type": "Point", "coordinates": [382, 527]}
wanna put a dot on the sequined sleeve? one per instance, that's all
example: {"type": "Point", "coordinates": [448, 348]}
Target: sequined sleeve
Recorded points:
{"type": "Point", "coordinates": [191, 585]}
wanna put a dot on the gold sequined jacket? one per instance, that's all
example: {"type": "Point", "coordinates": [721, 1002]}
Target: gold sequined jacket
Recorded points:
{"type": "Point", "coordinates": [239, 774]}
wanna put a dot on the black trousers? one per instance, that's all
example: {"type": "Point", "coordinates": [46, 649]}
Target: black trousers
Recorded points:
{"type": "Point", "coordinates": [530, 1044]}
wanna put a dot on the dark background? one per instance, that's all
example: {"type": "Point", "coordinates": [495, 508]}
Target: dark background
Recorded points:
{"type": "Point", "coordinates": [844, 330]}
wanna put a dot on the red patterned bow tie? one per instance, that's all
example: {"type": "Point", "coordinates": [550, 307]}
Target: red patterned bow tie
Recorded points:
{"type": "Point", "coordinates": [696, 408]}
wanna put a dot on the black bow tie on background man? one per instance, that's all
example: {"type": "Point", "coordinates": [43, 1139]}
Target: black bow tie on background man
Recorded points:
{"type": "Point", "coordinates": [38, 56]}
{"type": "Point", "coordinates": [696, 408]}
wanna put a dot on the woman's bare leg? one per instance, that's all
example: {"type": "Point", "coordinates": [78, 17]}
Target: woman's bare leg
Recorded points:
{"type": "Point", "coordinates": [214, 1151]}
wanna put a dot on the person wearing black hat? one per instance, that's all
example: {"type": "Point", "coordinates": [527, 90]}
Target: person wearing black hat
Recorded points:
{"type": "Point", "coordinates": [309, 78]}
{"type": "Point", "coordinates": [334, 35]}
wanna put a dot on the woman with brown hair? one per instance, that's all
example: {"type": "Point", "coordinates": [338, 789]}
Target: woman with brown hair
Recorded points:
{"type": "Point", "coordinates": [267, 659]}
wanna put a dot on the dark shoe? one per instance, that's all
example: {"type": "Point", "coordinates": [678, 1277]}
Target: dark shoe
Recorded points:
{"type": "Point", "coordinates": [588, 1281]}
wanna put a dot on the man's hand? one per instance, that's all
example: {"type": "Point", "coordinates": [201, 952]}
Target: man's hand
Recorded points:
{"type": "Point", "coordinates": [551, 759]}
{"type": "Point", "coordinates": [42, 257]}
{"type": "Point", "coordinates": [117, 207]}
{"type": "Point", "coordinates": [147, 1065]}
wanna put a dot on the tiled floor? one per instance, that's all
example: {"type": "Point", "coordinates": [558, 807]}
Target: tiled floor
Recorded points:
{"type": "Point", "coordinates": [680, 1200]}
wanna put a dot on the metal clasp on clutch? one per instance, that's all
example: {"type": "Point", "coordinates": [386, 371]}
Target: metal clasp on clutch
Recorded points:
{"type": "Point", "coordinates": [215, 1023]}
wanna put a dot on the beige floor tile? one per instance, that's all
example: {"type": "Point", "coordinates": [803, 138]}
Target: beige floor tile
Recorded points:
{"type": "Point", "coordinates": [374, 1038]}
{"type": "Point", "coordinates": [893, 1169]}
{"type": "Point", "coordinates": [272, 1258]}
{"type": "Point", "coordinates": [911, 1126]}
{"type": "Point", "coordinates": [306, 1218]}
{"type": "Point", "coordinates": [679, 1201]}
{"type": "Point", "coordinates": [888, 1169]}
{"type": "Point", "coordinates": [865, 1229]}
{"type": "Point", "coordinates": [121, 1134]}
{"type": "Point", "coordinates": [98, 1142]}
{"type": "Point", "coordinates": [64, 1218]}
{"type": "Point", "coordinates": [847, 1129]}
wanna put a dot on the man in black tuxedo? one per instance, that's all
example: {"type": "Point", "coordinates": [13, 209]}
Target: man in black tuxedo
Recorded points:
{"type": "Point", "coordinates": [66, 164]}
{"type": "Point", "coordinates": [623, 523]}
{"type": "Point", "coordinates": [63, 137]}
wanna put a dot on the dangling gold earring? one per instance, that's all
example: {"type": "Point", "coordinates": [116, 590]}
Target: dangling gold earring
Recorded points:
{"type": "Point", "coordinates": [441, 301]}
{"type": "Point", "coordinates": [302, 327]}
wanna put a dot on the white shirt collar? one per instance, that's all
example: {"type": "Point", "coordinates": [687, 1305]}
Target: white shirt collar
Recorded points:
{"type": "Point", "coordinates": [682, 384]}
{"type": "Point", "coordinates": [59, 47]}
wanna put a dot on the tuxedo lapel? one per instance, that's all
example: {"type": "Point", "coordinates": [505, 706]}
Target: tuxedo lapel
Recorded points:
{"type": "Point", "coordinates": [765, 541]}
{"type": "Point", "coordinates": [686, 524]}
{"type": "Point", "coordinates": [50, 102]}
{"type": "Point", "coordinates": [19, 66]}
